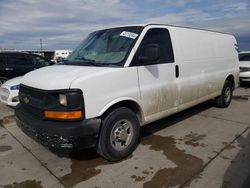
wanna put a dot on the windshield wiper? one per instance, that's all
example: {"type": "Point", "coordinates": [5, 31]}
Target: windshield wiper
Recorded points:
{"type": "Point", "coordinates": [83, 61]}
{"type": "Point", "coordinates": [89, 61]}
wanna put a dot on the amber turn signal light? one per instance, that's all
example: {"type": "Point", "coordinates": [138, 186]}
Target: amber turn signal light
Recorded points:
{"type": "Point", "coordinates": [63, 115]}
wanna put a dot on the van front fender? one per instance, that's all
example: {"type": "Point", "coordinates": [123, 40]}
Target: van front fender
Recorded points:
{"type": "Point", "coordinates": [124, 101]}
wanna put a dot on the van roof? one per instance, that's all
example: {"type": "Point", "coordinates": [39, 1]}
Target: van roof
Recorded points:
{"type": "Point", "coordinates": [185, 27]}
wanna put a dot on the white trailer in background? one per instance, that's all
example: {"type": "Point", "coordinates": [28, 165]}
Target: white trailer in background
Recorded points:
{"type": "Point", "coordinates": [61, 54]}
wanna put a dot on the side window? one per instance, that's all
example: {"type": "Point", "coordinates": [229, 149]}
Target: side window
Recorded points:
{"type": "Point", "coordinates": [162, 38]}
{"type": "Point", "coordinates": [17, 60]}
{"type": "Point", "coordinates": [38, 61]}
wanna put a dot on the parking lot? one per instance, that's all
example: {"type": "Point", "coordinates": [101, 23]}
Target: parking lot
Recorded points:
{"type": "Point", "coordinates": [200, 147]}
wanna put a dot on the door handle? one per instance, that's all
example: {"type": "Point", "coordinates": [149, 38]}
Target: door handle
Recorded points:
{"type": "Point", "coordinates": [9, 69]}
{"type": "Point", "coordinates": [177, 72]}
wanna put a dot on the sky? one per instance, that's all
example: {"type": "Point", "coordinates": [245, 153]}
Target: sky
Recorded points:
{"type": "Point", "coordinates": [63, 24]}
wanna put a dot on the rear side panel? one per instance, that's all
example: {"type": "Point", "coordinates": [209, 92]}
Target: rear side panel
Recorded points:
{"type": "Point", "coordinates": [205, 60]}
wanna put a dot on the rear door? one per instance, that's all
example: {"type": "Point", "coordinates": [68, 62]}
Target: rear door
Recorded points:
{"type": "Point", "coordinates": [157, 78]}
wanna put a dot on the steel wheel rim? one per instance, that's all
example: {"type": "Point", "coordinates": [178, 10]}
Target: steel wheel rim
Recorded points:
{"type": "Point", "coordinates": [121, 134]}
{"type": "Point", "coordinates": [227, 95]}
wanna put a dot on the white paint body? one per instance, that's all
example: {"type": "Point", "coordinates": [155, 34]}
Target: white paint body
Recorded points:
{"type": "Point", "coordinates": [245, 76]}
{"type": "Point", "coordinates": [7, 94]}
{"type": "Point", "coordinates": [205, 60]}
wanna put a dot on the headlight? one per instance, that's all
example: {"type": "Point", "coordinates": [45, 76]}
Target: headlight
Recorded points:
{"type": "Point", "coordinates": [15, 87]}
{"type": "Point", "coordinates": [63, 99]}
{"type": "Point", "coordinates": [64, 105]}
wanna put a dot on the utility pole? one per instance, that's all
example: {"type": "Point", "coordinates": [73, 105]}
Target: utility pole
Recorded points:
{"type": "Point", "coordinates": [41, 43]}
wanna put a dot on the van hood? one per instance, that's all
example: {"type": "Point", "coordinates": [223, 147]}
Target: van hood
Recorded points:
{"type": "Point", "coordinates": [58, 76]}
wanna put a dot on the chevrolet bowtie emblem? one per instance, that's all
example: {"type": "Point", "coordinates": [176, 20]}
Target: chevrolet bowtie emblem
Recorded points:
{"type": "Point", "coordinates": [26, 100]}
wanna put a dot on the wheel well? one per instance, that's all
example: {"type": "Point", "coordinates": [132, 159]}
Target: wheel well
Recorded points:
{"type": "Point", "coordinates": [128, 104]}
{"type": "Point", "coordinates": [230, 78]}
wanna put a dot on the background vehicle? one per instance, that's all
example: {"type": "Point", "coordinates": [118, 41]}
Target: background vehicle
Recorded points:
{"type": "Point", "coordinates": [244, 58]}
{"type": "Point", "coordinates": [14, 64]}
{"type": "Point", "coordinates": [121, 78]}
{"type": "Point", "coordinates": [9, 91]}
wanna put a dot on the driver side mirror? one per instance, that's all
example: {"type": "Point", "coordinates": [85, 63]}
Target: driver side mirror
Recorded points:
{"type": "Point", "coordinates": [151, 53]}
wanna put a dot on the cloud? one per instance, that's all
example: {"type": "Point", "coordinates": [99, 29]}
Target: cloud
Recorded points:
{"type": "Point", "coordinates": [63, 24]}
{"type": "Point", "coordinates": [23, 23]}
{"type": "Point", "coordinates": [229, 17]}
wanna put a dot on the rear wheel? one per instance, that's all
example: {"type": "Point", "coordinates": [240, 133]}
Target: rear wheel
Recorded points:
{"type": "Point", "coordinates": [225, 99]}
{"type": "Point", "coordinates": [119, 134]}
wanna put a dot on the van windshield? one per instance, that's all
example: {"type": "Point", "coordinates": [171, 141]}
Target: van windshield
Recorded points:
{"type": "Point", "coordinates": [105, 47]}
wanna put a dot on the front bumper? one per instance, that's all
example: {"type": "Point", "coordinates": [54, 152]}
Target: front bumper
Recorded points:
{"type": "Point", "coordinates": [56, 134]}
{"type": "Point", "coordinates": [245, 76]}
{"type": "Point", "coordinates": [9, 97]}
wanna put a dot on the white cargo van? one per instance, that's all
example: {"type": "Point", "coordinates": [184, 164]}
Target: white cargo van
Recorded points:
{"type": "Point", "coordinates": [119, 79]}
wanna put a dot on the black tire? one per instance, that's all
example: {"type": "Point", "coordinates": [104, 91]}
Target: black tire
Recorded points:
{"type": "Point", "coordinates": [113, 147]}
{"type": "Point", "coordinates": [224, 100]}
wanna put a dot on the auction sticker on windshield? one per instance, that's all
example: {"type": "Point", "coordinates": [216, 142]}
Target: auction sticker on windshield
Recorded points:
{"type": "Point", "coordinates": [129, 34]}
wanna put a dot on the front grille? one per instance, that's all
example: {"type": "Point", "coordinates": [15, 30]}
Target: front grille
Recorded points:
{"type": "Point", "coordinates": [35, 93]}
{"type": "Point", "coordinates": [244, 69]}
{"type": "Point", "coordinates": [32, 100]}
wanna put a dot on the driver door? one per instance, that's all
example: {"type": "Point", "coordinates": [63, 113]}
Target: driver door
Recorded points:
{"type": "Point", "coordinates": [157, 78]}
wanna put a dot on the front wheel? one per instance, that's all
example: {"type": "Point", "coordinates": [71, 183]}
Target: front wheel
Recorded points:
{"type": "Point", "coordinates": [119, 134]}
{"type": "Point", "coordinates": [224, 100]}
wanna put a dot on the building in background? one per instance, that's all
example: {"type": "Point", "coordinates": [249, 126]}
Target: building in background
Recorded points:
{"type": "Point", "coordinates": [6, 49]}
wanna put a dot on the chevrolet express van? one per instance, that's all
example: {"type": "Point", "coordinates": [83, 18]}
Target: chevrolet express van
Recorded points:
{"type": "Point", "coordinates": [119, 79]}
